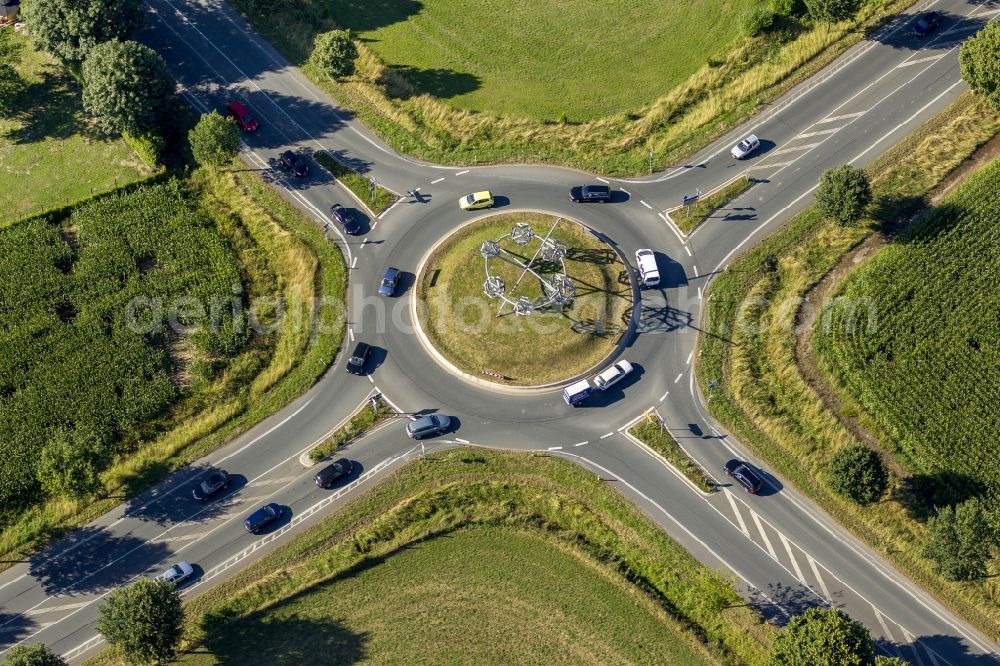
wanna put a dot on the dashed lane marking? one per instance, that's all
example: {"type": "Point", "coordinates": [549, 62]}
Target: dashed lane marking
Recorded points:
{"type": "Point", "coordinates": [688, 361]}
{"type": "Point", "coordinates": [555, 448]}
{"type": "Point", "coordinates": [736, 512]}
{"type": "Point", "coordinates": [699, 293]}
{"type": "Point", "coordinates": [462, 173]}
{"type": "Point", "coordinates": [664, 396]}
{"type": "Point", "coordinates": [763, 535]}
{"type": "Point", "coordinates": [695, 270]}
{"type": "Point", "coordinates": [350, 332]}
{"type": "Point", "coordinates": [645, 204]}
{"type": "Point", "coordinates": [625, 191]}
{"type": "Point", "coordinates": [435, 182]}
{"type": "Point", "coordinates": [603, 181]}
{"type": "Point", "coordinates": [678, 378]}
{"type": "Point", "coordinates": [607, 434]}
{"type": "Point", "coordinates": [354, 263]}
{"type": "Point", "coordinates": [581, 443]}
{"type": "Point", "coordinates": [463, 441]}
{"type": "Point", "coordinates": [688, 250]}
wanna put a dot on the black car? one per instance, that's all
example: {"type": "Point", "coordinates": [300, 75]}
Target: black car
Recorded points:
{"type": "Point", "coordinates": [926, 24]}
{"type": "Point", "coordinates": [356, 363]}
{"type": "Point", "coordinates": [345, 219]}
{"type": "Point", "coordinates": [584, 193]}
{"type": "Point", "coordinates": [388, 285]}
{"type": "Point", "coordinates": [744, 476]}
{"type": "Point", "coordinates": [262, 517]}
{"type": "Point", "coordinates": [295, 163]}
{"type": "Point", "coordinates": [211, 484]}
{"type": "Point", "coordinates": [338, 469]}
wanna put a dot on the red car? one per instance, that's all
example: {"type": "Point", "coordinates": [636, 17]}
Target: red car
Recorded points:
{"type": "Point", "coordinates": [242, 116]}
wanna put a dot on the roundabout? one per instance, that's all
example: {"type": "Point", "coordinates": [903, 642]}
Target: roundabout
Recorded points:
{"type": "Point", "coordinates": [523, 299]}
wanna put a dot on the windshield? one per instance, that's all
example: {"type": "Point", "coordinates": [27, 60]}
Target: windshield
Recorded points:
{"type": "Point", "coordinates": [470, 199]}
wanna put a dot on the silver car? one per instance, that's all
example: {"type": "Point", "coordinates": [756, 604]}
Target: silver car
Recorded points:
{"type": "Point", "coordinates": [427, 426]}
{"type": "Point", "coordinates": [178, 573]}
{"type": "Point", "coordinates": [746, 147]}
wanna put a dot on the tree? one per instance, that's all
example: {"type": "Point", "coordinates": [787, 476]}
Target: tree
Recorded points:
{"type": "Point", "coordinates": [958, 541]}
{"type": "Point", "coordinates": [757, 19]}
{"type": "Point", "coordinates": [882, 660]}
{"type": "Point", "coordinates": [858, 472]}
{"type": "Point", "coordinates": [823, 637]}
{"type": "Point", "coordinates": [844, 193]}
{"type": "Point", "coordinates": [831, 11]}
{"type": "Point", "coordinates": [126, 86]}
{"type": "Point", "coordinates": [142, 621]}
{"type": "Point", "coordinates": [334, 53]}
{"type": "Point", "coordinates": [70, 463]}
{"type": "Point", "coordinates": [979, 58]}
{"type": "Point", "coordinates": [71, 28]}
{"type": "Point", "coordinates": [215, 140]}
{"type": "Point", "coordinates": [11, 82]}
{"type": "Point", "coordinates": [33, 655]}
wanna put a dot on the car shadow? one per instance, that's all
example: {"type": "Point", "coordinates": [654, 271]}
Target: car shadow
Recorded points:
{"type": "Point", "coordinates": [364, 222]}
{"type": "Point", "coordinates": [499, 201]}
{"type": "Point", "coordinates": [376, 357]}
{"type": "Point", "coordinates": [772, 486]}
{"type": "Point", "coordinates": [617, 196]}
{"type": "Point", "coordinates": [404, 283]}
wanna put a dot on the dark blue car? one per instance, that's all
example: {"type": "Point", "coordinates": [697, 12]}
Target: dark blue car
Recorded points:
{"type": "Point", "coordinates": [388, 285]}
{"type": "Point", "coordinates": [262, 517]}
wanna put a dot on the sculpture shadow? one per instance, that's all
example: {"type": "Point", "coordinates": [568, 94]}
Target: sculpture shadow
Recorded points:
{"type": "Point", "coordinates": [99, 560]}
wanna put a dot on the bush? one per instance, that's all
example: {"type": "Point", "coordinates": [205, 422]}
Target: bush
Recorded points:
{"type": "Point", "coordinates": [844, 193]}
{"type": "Point", "coordinates": [127, 87]}
{"type": "Point", "coordinates": [857, 472]}
{"type": "Point", "coordinates": [215, 140]}
{"type": "Point", "coordinates": [823, 637]}
{"type": "Point", "coordinates": [980, 62]}
{"type": "Point", "coordinates": [149, 147]}
{"type": "Point", "coordinates": [757, 19]}
{"type": "Point", "coordinates": [33, 655]}
{"type": "Point", "coordinates": [831, 11]}
{"type": "Point", "coordinates": [788, 7]}
{"type": "Point", "coordinates": [143, 621]}
{"type": "Point", "coordinates": [70, 462]}
{"type": "Point", "coordinates": [334, 53]}
{"type": "Point", "coordinates": [958, 541]}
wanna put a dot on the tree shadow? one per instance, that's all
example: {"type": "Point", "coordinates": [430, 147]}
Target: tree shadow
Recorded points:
{"type": "Point", "coordinates": [266, 639]}
{"type": "Point", "coordinates": [952, 31]}
{"type": "Point", "coordinates": [436, 81]}
{"type": "Point", "coordinates": [13, 628]}
{"type": "Point", "coordinates": [171, 502]}
{"type": "Point", "coordinates": [936, 649]}
{"type": "Point", "coordinates": [49, 108]}
{"type": "Point", "coordinates": [100, 560]}
{"type": "Point", "coordinates": [780, 601]}
{"type": "Point", "coordinates": [937, 220]}
{"type": "Point", "coordinates": [923, 494]}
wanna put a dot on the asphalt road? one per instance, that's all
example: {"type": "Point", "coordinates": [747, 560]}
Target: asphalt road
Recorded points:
{"type": "Point", "coordinates": [784, 552]}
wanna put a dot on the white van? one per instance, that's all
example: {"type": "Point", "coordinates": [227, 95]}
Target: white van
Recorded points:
{"type": "Point", "coordinates": [649, 275]}
{"type": "Point", "coordinates": [577, 392]}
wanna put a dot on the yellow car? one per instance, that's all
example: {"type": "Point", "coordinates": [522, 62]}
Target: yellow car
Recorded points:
{"type": "Point", "coordinates": [476, 200]}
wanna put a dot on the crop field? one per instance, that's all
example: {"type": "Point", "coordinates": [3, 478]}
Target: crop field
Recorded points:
{"type": "Point", "coordinates": [50, 154]}
{"type": "Point", "coordinates": [928, 371]}
{"type": "Point", "coordinates": [78, 358]}
{"type": "Point", "coordinates": [535, 59]}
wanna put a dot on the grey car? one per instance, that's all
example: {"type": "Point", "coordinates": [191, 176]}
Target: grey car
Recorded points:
{"type": "Point", "coordinates": [427, 426]}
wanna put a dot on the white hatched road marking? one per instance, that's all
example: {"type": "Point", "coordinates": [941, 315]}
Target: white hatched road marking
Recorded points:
{"type": "Point", "coordinates": [914, 645]}
{"type": "Point", "coordinates": [920, 60]}
{"type": "Point", "coordinates": [186, 537]}
{"type": "Point", "coordinates": [270, 482]}
{"type": "Point", "coordinates": [736, 511]}
{"type": "Point", "coordinates": [763, 535]}
{"type": "Point", "coordinates": [846, 116]}
{"type": "Point", "coordinates": [819, 133]}
{"type": "Point", "coordinates": [55, 609]}
{"type": "Point", "coordinates": [38, 627]}
{"type": "Point", "coordinates": [807, 146]}
{"type": "Point", "coordinates": [10, 582]}
{"type": "Point", "coordinates": [819, 579]}
{"type": "Point", "coordinates": [884, 625]}
{"type": "Point", "coordinates": [791, 556]}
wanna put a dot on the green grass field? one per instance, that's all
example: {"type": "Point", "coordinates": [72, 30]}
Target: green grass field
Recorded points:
{"type": "Point", "coordinates": [928, 371]}
{"type": "Point", "coordinates": [50, 154]}
{"type": "Point", "coordinates": [461, 321]}
{"type": "Point", "coordinates": [481, 595]}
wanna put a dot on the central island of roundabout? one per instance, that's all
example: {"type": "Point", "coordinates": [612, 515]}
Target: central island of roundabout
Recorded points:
{"type": "Point", "coordinates": [523, 299]}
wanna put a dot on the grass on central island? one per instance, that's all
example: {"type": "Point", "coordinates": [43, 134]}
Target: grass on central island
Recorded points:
{"type": "Point", "coordinates": [481, 595]}
{"type": "Point", "coordinates": [545, 346]}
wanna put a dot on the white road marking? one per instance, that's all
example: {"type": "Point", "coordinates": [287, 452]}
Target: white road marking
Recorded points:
{"type": "Point", "coordinates": [555, 448]}
{"type": "Point", "coordinates": [763, 535]}
{"type": "Point", "coordinates": [13, 580]}
{"type": "Point", "coordinates": [607, 434]}
{"type": "Point", "coordinates": [354, 263]}
{"type": "Point", "coordinates": [736, 512]}
{"type": "Point", "coordinates": [791, 556]}
{"type": "Point", "coordinates": [386, 211]}
{"type": "Point", "coordinates": [678, 378]}
{"type": "Point", "coordinates": [830, 119]}
{"type": "Point", "coordinates": [264, 434]}
{"type": "Point", "coordinates": [463, 441]}
{"type": "Point", "coordinates": [364, 241]}
{"type": "Point", "coordinates": [819, 579]}
{"type": "Point", "coordinates": [83, 647]}
{"type": "Point", "coordinates": [581, 443]}
{"type": "Point", "coordinates": [645, 204]}
{"type": "Point", "coordinates": [185, 537]}
{"type": "Point", "coordinates": [688, 361]}
{"type": "Point", "coordinates": [910, 638]}
{"type": "Point", "coordinates": [884, 625]}
{"type": "Point", "coordinates": [664, 396]}
{"type": "Point", "coordinates": [54, 609]}
{"type": "Point", "coordinates": [688, 250]}
{"type": "Point", "coordinates": [350, 332]}
{"type": "Point", "coordinates": [39, 627]}
{"type": "Point", "coordinates": [603, 181]}
{"type": "Point", "coordinates": [920, 60]}
{"type": "Point", "coordinates": [271, 482]}
{"type": "Point", "coordinates": [794, 149]}
{"type": "Point", "coordinates": [695, 270]}
{"type": "Point", "coordinates": [699, 293]}
{"type": "Point", "coordinates": [806, 135]}
{"type": "Point", "coordinates": [435, 182]}
{"type": "Point", "coordinates": [462, 173]}
{"type": "Point", "coordinates": [625, 191]}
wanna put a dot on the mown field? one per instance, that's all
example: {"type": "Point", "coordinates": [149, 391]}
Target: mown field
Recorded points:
{"type": "Point", "coordinates": [50, 153]}
{"type": "Point", "coordinates": [576, 82]}
{"type": "Point", "coordinates": [475, 556]}
{"type": "Point", "coordinates": [461, 322]}
{"type": "Point", "coordinates": [153, 400]}
{"type": "Point", "coordinates": [926, 367]}
{"type": "Point", "coordinates": [768, 391]}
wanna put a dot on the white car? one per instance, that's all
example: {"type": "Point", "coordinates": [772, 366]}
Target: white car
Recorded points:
{"type": "Point", "coordinates": [178, 573]}
{"type": "Point", "coordinates": [612, 375]}
{"type": "Point", "coordinates": [745, 147]}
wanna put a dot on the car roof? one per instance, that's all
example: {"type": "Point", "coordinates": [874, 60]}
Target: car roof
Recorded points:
{"type": "Point", "coordinates": [237, 106]}
{"type": "Point", "coordinates": [360, 348]}
{"type": "Point", "coordinates": [391, 272]}
{"type": "Point", "coordinates": [485, 194]}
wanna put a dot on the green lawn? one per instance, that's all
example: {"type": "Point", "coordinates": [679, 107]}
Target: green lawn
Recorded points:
{"type": "Point", "coordinates": [461, 321]}
{"type": "Point", "coordinates": [482, 595]}
{"type": "Point", "coordinates": [50, 154]}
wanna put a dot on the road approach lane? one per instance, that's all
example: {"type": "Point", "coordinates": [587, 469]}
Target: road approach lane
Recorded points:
{"type": "Point", "coordinates": [784, 552]}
